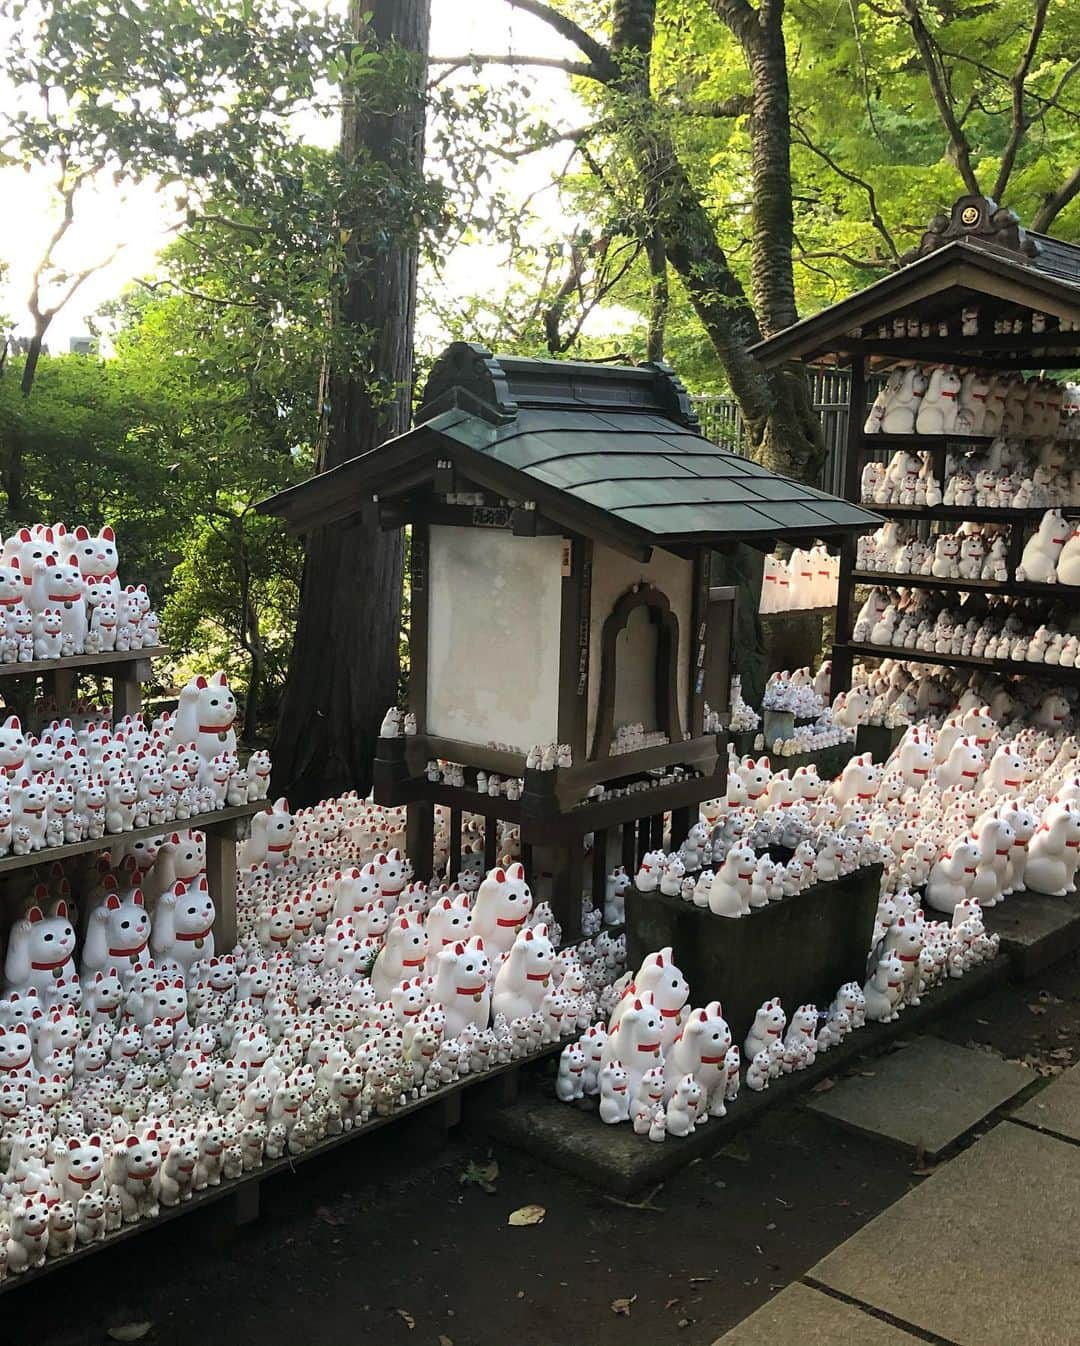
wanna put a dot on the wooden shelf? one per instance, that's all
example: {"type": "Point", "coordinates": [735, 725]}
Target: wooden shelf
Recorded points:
{"type": "Point", "coordinates": [204, 821]}
{"type": "Point", "coordinates": [111, 661]}
{"type": "Point", "coordinates": [970, 513]}
{"type": "Point", "coordinates": [1008, 588]}
{"type": "Point", "coordinates": [247, 1186]}
{"type": "Point", "coordinates": [959, 443]}
{"type": "Point", "coordinates": [1009, 667]}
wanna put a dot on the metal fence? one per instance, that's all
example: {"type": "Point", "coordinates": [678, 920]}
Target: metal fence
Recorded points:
{"type": "Point", "coordinates": [721, 421]}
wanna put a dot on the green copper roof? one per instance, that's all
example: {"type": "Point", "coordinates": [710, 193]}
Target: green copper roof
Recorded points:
{"type": "Point", "coordinates": [602, 450]}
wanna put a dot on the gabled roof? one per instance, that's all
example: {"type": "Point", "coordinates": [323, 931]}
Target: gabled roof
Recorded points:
{"type": "Point", "coordinates": [939, 285]}
{"type": "Point", "coordinates": [611, 452]}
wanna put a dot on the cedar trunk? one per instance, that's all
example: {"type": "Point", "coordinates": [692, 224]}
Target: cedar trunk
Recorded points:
{"type": "Point", "coordinates": [343, 671]}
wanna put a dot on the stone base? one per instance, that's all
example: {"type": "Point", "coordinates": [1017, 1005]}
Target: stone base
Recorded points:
{"type": "Point", "coordinates": [800, 949]}
{"type": "Point", "coordinates": [616, 1160]}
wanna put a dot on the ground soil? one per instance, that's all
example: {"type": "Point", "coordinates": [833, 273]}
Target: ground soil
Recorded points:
{"type": "Point", "coordinates": [384, 1243]}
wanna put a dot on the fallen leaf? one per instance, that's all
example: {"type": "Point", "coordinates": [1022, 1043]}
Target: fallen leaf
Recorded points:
{"type": "Point", "coordinates": [671, 1303]}
{"type": "Point", "coordinates": [684, 1322]}
{"type": "Point", "coordinates": [444, 1340]}
{"type": "Point", "coordinates": [781, 1202]}
{"type": "Point", "coordinates": [406, 1318]}
{"type": "Point", "coordinates": [1037, 1009]}
{"type": "Point", "coordinates": [770, 1227]}
{"type": "Point", "coordinates": [823, 1086]}
{"type": "Point", "coordinates": [129, 1331]}
{"type": "Point", "coordinates": [527, 1215]}
{"type": "Point", "coordinates": [868, 1074]}
{"type": "Point", "coordinates": [327, 1216]}
{"type": "Point", "coordinates": [622, 1306]}
{"type": "Point", "coordinates": [736, 1149]}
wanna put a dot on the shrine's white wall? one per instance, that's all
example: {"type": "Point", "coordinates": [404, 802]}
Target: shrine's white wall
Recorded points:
{"type": "Point", "coordinates": [493, 636]}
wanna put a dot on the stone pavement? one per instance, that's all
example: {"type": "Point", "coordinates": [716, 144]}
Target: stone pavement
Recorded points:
{"type": "Point", "coordinates": [925, 1096]}
{"type": "Point", "coordinates": [983, 1253]}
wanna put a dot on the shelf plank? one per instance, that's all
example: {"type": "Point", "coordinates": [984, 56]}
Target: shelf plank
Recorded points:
{"type": "Point", "coordinates": [1009, 667]}
{"type": "Point", "coordinates": [1009, 588]}
{"type": "Point", "coordinates": [204, 821]}
{"type": "Point", "coordinates": [958, 443]}
{"type": "Point", "coordinates": [972, 513]}
{"type": "Point", "coordinates": [113, 662]}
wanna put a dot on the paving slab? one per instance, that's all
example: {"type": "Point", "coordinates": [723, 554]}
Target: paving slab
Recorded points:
{"type": "Point", "coordinates": [924, 1096]}
{"type": "Point", "coordinates": [616, 1160]}
{"type": "Point", "coordinates": [984, 1253]}
{"type": "Point", "coordinates": [1055, 1108]}
{"type": "Point", "coordinates": [1035, 930]}
{"type": "Point", "coordinates": [801, 1316]}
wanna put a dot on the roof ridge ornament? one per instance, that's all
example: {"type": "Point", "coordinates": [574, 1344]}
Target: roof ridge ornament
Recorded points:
{"type": "Point", "coordinates": [976, 219]}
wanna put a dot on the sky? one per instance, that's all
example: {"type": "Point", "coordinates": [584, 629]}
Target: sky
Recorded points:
{"type": "Point", "coordinates": [140, 219]}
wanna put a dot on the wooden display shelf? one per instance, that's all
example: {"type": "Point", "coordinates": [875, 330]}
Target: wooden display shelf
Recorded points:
{"type": "Point", "coordinates": [245, 1189]}
{"type": "Point", "coordinates": [969, 513]}
{"type": "Point", "coordinates": [203, 821]}
{"type": "Point", "coordinates": [110, 661]}
{"type": "Point", "coordinates": [1009, 588]}
{"type": "Point", "coordinates": [1009, 667]}
{"type": "Point", "coordinates": [916, 441]}
{"type": "Point", "coordinates": [223, 828]}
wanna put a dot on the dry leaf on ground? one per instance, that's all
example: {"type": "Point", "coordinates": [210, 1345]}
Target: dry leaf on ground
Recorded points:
{"type": "Point", "coordinates": [622, 1306]}
{"type": "Point", "coordinates": [406, 1318]}
{"type": "Point", "coordinates": [129, 1331]}
{"type": "Point", "coordinates": [527, 1215]}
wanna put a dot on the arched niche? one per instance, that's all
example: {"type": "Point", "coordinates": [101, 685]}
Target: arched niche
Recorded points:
{"type": "Point", "coordinates": [638, 667]}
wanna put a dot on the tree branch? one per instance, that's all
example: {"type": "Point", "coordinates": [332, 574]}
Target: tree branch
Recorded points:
{"type": "Point", "coordinates": [597, 53]}
{"type": "Point", "coordinates": [154, 285]}
{"type": "Point", "coordinates": [454, 63]}
{"type": "Point", "coordinates": [1056, 202]}
{"type": "Point", "coordinates": [739, 17]}
{"type": "Point", "coordinates": [958, 143]}
{"type": "Point", "coordinates": [871, 196]}
{"type": "Point", "coordinates": [1019, 122]}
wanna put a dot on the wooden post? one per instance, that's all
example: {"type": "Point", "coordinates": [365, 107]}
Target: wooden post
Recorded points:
{"type": "Point", "coordinates": [599, 867]}
{"type": "Point", "coordinates": [680, 827]}
{"type": "Point", "coordinates": [127, 688]}
{"type": "Point", "coordinates": [852, 478]}
{"type": "Point", "coordinates": [221, 878]}
{"type": "Point", "coordinates": [63, 688]}
{"type": "Point", "coordinates": [629, 847]}
{"type": "Point", "coordinates": [420, 837]}
{"type": "Point", "coordinates": [567, 885]}
{"type": "Point", "coordinates": [453, 867]}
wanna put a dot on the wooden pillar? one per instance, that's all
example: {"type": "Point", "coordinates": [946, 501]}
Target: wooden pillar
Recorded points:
{"type": "Point", "coordinates": [567, 885]}
{"type": "Point", "coordinates": [62, 687]}
{"type": "Point", "coordinates": [221, 878]}
{"type": "Point", "coordinates": [491, 841]}
{"type": "Point", "coordinates": [420, 838]}
{"type": "Point", "coordinates": [852, 477]}
{"type": "Point", "coordinates": [680, 826]}
{"type": "Point", "coordinates": [453, 868]}
{"type": "Point", "coordinates": [599, 867]}
{"type": "Point", "coordinates": [629, 847]}
{"type": "Point", "coordinates": [127, 688]}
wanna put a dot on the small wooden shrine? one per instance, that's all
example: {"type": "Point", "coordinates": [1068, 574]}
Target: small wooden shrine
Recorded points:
{"type": "Point", "coordinates": [979, 292]}
{"type": "Point", "coordinates": [566, 635]}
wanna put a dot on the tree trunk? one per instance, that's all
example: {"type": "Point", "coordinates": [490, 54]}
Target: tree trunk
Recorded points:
{"type": "Point", "coordinates": [772, 217]}
{"type": "Point", "coordinates": [784, 432]}
{"type": "Point", "coordinates": [344, 666]}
